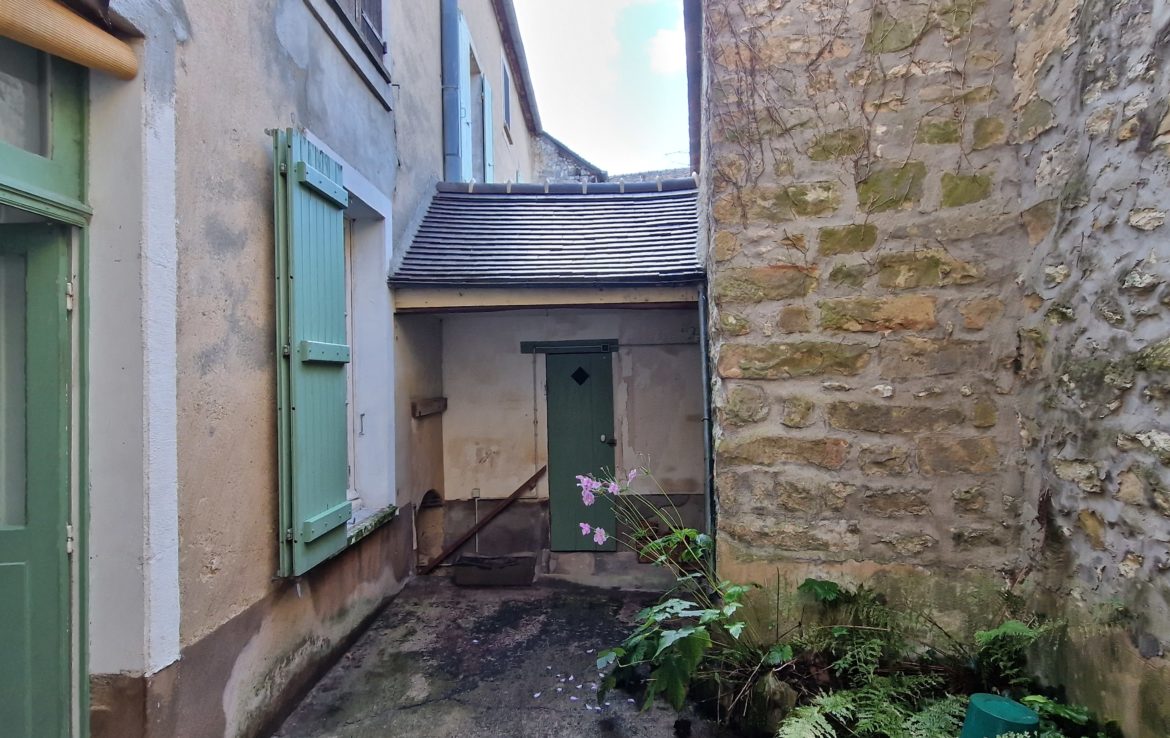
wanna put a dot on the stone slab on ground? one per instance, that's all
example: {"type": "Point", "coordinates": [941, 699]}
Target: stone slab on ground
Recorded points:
{"type": "Point", "coordinates": [485, 663]}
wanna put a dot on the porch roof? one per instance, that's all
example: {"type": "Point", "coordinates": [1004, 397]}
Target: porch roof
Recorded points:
{"type": "Point", "coordinates": [571, 235]}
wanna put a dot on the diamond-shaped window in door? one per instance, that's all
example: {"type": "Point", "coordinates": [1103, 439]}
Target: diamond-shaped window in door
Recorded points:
{"type": "Point", "coordinates": [580, 375]}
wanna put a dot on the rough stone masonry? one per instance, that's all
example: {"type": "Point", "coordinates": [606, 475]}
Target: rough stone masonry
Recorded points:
{"type": "Point", "coordinates": [938, 264]}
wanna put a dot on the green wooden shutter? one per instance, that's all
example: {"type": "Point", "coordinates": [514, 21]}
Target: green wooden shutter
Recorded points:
{"type": "Point", "coordinates": [489, 164]}
{"type": "Point", "coordinates": [313, 351]}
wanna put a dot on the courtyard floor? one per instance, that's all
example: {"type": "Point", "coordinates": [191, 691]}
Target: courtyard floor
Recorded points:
{"type": "Point", "coordinates": [443, 661]}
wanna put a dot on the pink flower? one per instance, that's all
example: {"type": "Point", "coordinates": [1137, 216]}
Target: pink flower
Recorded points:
{"type": "Point", "coordinates": [587, 497]}
{"type": "Point", "coordinates": [599, 536]}
{"type": "Point", "coordinates": [614, 488]}
{"type": "Point", "coordinates": [586, 529]}
{"type": "Point", "coordinates": [631, 476]}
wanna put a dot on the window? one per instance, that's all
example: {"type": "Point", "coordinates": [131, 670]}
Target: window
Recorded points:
{"type": "Point", "coordinates": [507, 75]}
{"type": "Point", "coordinates": [364, 18]}
{"type": "Point", "coordinates": [477, 132]}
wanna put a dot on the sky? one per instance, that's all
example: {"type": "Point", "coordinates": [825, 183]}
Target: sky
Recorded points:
{"type": "Point", "coordinates": [610, 79]}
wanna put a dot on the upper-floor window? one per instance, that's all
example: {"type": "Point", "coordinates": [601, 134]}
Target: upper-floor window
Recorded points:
{"type": "Point", "coordinates": [366, 19]}
{"type": "Point", "coordinates": [507, 74]}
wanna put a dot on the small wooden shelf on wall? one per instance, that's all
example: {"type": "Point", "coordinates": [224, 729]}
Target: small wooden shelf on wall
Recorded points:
{"type": "Point", "coordinates": [429, 406]}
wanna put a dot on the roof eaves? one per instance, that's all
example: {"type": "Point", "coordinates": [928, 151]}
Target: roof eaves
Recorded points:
{"type": "Point", "coordinates": [514, 49]}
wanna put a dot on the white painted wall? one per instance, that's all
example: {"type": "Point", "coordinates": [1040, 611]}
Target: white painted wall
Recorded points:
{"type": "Point", "coordinates": [132, 403]}
{"type": "Point", "coordinates": [495, 427]}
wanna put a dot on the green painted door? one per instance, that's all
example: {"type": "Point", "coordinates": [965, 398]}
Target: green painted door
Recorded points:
{"type": "Point", "coordinates": [34, 473]}
{"type": "Point", "coordinates": [580, 441]}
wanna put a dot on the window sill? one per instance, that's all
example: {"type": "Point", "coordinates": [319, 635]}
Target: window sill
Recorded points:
{"type": "Point", "coordinates": [367, 521]}
{"type": "Point", "coordinates": [356, 51]}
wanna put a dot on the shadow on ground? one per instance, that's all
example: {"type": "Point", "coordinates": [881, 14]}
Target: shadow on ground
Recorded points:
{"type": "Point", "coordinates": [448, 661]}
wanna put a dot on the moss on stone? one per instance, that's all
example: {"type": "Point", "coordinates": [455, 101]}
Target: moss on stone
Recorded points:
{"type": "Point", "coordinates": [892, 187]}
{"type": "Point", "coordinates": [1155, 357]}
{"type": "Point", "coordinates": [848, 239]}
{"type": "Point", "coordinates": [988, 132]}
{"type": "Point", "coordinates": [956, 18]}
{"type": "Point", "coordinates": [848, 275]}
{"type": "Point", "coordinates": [837, 144]}
{"type": "Point", "coordinates": [1036, 117]}
{"type": "Point", "coordinates": [888, 33]}
{"type": "Point", "coordinates": [938, 131]}
{"type": "Point", "coordinates": [926, 268]}
{"type": "Point", "coordinates": [964, 189]}
{"type": "Point", "coordinates": [780, 204]}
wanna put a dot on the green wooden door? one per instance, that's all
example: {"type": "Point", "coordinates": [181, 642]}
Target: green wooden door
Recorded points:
{"type": "Point", "coordinates": [34, 474]}
{"type": "Point", "coordinates": [580, 441]}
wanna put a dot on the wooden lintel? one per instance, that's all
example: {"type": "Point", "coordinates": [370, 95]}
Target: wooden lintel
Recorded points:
{"type": "Point", "coordinates": [436, 299]}
{"type": "Point", "coordinates": [429, 406]}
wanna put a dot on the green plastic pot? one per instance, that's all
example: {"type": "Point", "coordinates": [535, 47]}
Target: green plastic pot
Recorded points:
{"type": "Point", "coordinates": [990, 716]}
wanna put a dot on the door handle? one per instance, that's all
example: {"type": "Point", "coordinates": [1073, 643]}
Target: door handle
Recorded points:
{"type": "Point", "coordinates": [608, 440]}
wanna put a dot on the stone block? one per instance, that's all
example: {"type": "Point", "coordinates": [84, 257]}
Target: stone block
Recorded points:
{"type": "Point", "coordinates": [969, 500]}
{"type": "Point", "coordinates": [893, 502]}
{"type": "Point", "coordinates": [938, 131]}
{"type": "Point", "coordinates": [914, 357]}
{"type": "Point", "coordinates": [988, 132]}
{"type": "Point", "coordinates": [793, 319]}
{"type": "Point", "coordinates": [818, 537]}
{"type": "Point", "coordinates": [985, 414]}
{"type": "Point", "coordinates": [757, 284]}
{"type": "Point", "coordinates": [951, 455]}
{"type": "Point", "coordinates": [744, 404]}
{"type": "Point", "coordinates": [778, 204]}
{"type": "Point", "coordinates": [849, 275]}
{"type": "Point", "coordinates": [1093, 526]}
{"type": "Point", "coordinates": [733, 324]}
{"type": "Point", "coordinates": [978, 313]}
{"type": "Point", "coordinates": [797, 412]}
{"type": "Point", "coordinates": [849, 239]}
{"type": "Point", "coordinates": [891, 188]}
{"type": "Point", "coordinates": [885, 418]}
{"type": "Point", "coordinates": [726, 246]}
{"type": "Point", "coordinates": [797, 359]}
{"type": "Point", "coordinates": [837, 144]}
{"type": "Point", "coordinates": [869, 314]}
{"type": "Point", "coordinates": [908, 544]}
{"type": "Point", "coordinates": [1036, 117]}
{"type": "Point", "coordinates": [888, 32]}
{"type": "Point", "coordinates": [964, 189]}
{"type": "Point", "coordinates": [1039, 220]}
{"type": "Point", "coordinates": [885, 461]}
{"type": "Point", "coordinates": [925, 268]}
{"type": "Point", "coordinates": [827, 453]}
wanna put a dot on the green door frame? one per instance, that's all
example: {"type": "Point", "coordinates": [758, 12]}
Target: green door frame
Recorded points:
{"type": "Point", "coordinates": [54, 187]}
{"type": "Point", "coordinates": [42, 535]}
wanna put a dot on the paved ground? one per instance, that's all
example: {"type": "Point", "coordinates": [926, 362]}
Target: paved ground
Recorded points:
{"type": "Point", "coordinates": [485, 663]}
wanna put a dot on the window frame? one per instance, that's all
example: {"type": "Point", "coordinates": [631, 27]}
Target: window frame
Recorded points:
{"type": "Point", "coordinates": [357, 22]}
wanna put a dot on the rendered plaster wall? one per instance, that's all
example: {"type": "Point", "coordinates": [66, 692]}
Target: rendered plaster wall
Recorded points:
{"type": "Point", "coordinates": [514, 155]}
{"type": "Point", "coordinates": [938, 271]}
{"type": "Point", "coordinates": [495, 426]}
{"type": "Point", "coordinates": [220, 308]}
{"type": "Point", "coordinates": [416, 68]}
{"type": "Point", "coordinates": [418, 376]}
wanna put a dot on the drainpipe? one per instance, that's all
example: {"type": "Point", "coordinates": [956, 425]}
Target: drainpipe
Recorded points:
{"type": "Point", "coordinates": [449, 51]}
{"type": "Point", "coordinates": [708, 438]}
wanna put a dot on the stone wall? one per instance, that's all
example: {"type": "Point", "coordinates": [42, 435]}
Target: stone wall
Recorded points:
{"type": "Point", "coordinates": [864, 248]}
{"type": "Point", "coordinates": [556, 162]}
{"type": "Point", "coordinates": [937, 269]}
{"type": "Point", "coordinates": [1091, 80]}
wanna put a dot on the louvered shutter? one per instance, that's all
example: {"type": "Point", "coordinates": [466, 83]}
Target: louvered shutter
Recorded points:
{"type": "Point", "coordinates": [313, 351]}
{"type": "Point", "coordinates": [466, 163]}
{"type": "Point", "coordinates": [489, 163]}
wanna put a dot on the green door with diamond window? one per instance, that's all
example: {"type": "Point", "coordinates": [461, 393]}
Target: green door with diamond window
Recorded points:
{"type": "Point", "coordinates": [580, 441]}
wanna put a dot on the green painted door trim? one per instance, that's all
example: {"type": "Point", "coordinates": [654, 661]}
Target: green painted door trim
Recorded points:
{"type": "Point", "coordinates": [35, 552]}
{"type": "Point", "coordinates": [53, 185]}
{"type": "Point", "coordinates": [580, 441]}
{"type": "Point", "coordinates": [600, 345]}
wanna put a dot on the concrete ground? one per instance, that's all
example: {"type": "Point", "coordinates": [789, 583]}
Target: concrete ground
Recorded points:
{"type": "Point", "coordinates": [446, 661]}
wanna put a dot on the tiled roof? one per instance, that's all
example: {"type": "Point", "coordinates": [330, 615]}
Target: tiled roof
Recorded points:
{"type": "Point", "coordinates": [559, 234]}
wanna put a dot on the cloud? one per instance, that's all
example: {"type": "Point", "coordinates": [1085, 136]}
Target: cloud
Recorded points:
{"type": "Point", "coordinates": [668, 50]}
{"type": "Point", "coordinates": [609, 102]}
